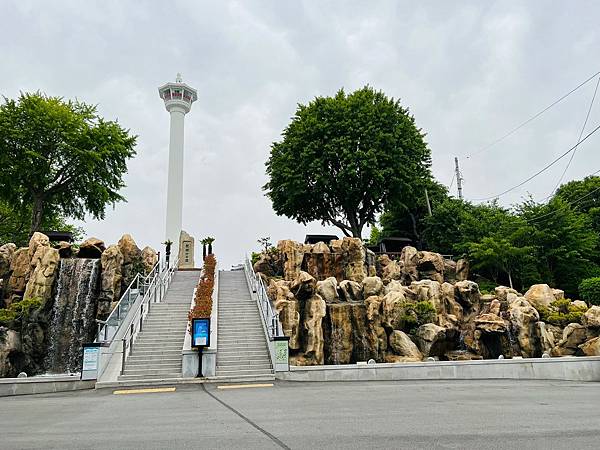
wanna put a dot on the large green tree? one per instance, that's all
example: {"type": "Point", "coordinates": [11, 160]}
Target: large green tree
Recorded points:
{"type": "Point", "coordinates": [60, 157]}
{"type": "Point", "coordinates": [343, 158]}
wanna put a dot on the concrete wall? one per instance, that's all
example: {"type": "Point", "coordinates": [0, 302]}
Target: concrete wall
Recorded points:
{"type": "Point", "coordinates": [42, 385]}
{"type": "Point", "coordinates": [566, 368]}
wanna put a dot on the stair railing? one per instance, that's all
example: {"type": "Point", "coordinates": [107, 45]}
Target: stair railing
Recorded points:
{"type": "Point", "coordinates": [270, 320]}
{"type": "Point", "coordinates": [123, 323]}
{"type": "Point", "coordinates": [154, 293]}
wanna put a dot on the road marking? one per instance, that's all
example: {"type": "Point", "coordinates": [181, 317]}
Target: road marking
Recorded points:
{"type": "Point", "coordinates": [143, 391]}
{"type": "Point", "coordinates": [244, 386]}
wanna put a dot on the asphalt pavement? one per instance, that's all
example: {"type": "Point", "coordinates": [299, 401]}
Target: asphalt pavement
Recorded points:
{"type": "Point", "coordinates": [501, 414]}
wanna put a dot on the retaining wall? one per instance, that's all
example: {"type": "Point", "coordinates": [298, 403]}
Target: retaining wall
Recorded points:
{"type": "Point", "coordinates": [42, 385]}
{"type": "Point", "coordinates": [566, 368]}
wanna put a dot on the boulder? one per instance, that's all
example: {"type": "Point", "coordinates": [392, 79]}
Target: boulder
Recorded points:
{"type": "Point", "coordinates": [350, 291]}
{"type": "Point", "coordinates": [462, 270]}
{"type": "Point", "coordinates": [402, 345]}
{"type": "Point", "coordinates": [434, 340]}
{"type": "Point", "coordinates": [292, 254]}
{"type": "Point", "coordinates": [467, 294]}
{"type": "Point", "coordinates": [7, 253]}
{"type": "Point", "coordinates": [37, 240]}
{"type": "Point", "coordinates": [376, 336]}
{"type": "Point", "coordinates": [327, 289]}
{"type": "Point", "coordinates": [390, 269]}
{"type": "Point", "coordinates": [429, 266]}
{"type": "Point", "coordinates": [372, 286]}
{"type": "Point", "coordinates": [355, 253]}
{"type": "Point", "coordinates": [591, 347]}
{"type": "Point", "coordinates": [579, 304]}
{"type": "Point", "coordinates": [303, 286]}
{"type": "Point", "coordinates": [523, 320]}
{"type": "Point", "coordinates": [129, 249]}
{"type": "Point", "coordinates": [490, 323]}
{"type": "Point", "coordinates": [111, 262]}
{"type": "Point", "coordinates": [449, 271]}
{"type": "Point", "coordinates": [407, 263]}
{"type": "Point", "coordinates": [288, 310]}
{"type": "Point", "coordinates": [573, 336]}
{"type": "Point", "coordinates": [42, 277]}
{"type": "Point", "coordinates": [540, 295]}
{"type": "Point", "coordinates": [591, 318]}
{"type": "Point", "coordinates": [338, 334]}
{"type": "Point", "coordinates": [559, 294]}
{"type": "Point", "coordinates": [10, 345]}
{"type": "Point", "coordinates": [546, 338]}
{"type": "Point", "coordinates": [65, 249]}
{"type": "Point", "coordinates": [393, 285]}
{"type": "Point", "coordinates": [20, 270]}
{"type": "Point", "coordinates": [314, 311]}
{"type": "Point", "coordinates": [91, 248]}
{"type": "Point", "coordinates": [149, 258]}
{"type": "Point", "coordinates": [393, 309]}
{"type": "Point", "coordinates": [502, 293]}
{"type": "Point", "coordinates": [320, 247]}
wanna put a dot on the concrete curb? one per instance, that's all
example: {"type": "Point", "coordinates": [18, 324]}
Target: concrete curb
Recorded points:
{"type": "Point", "coordinates": [566, 368]}
{"type": "Point", "coordinates": [42, 385]}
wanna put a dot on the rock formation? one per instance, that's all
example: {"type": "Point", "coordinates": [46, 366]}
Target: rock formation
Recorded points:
{"type": "Point", "coordinates": [111, 262]}
{"type": "Point", "coordinates": [149, 258]}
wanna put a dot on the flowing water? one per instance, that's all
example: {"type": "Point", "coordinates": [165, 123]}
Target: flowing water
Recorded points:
{"type": "Point", "coordinates": [73, 314]}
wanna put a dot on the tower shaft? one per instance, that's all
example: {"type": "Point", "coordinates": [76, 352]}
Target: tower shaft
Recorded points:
{"type": "Point", "coordinates": [175, 180]}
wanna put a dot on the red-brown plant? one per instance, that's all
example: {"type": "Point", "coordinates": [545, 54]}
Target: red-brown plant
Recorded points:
{"type": "Point", "coordinates": [203, 300]}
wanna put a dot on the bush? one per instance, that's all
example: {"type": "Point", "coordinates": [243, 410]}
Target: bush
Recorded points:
{"type": "Point", "coordinates": [561, 313]}
{"type": "Point", "coordinates": [589, 290]}
{"type": "Point", "coordinates": [417, 314]}
{"type": "Point", "coordinates": [19, 310]}
{"type": "Point", "coordinates": [203, 300]}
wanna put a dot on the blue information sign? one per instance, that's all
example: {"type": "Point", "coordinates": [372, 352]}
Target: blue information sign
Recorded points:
{"type": "Point", "coordinates": [200, 332]}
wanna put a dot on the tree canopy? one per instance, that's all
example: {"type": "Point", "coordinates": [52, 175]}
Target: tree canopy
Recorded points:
{"type": "Point", "coordinates": [60, 158]}
{"type": "Point", "coordinates": [343, 158]}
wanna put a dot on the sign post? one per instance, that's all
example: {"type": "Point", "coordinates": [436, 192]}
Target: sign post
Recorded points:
{"type": "Point", "coordinates": [91, 359]}
{"type": "Point", "coordinates": [200, 338]}
{"type": "Point", "coordinates": [282, 353]}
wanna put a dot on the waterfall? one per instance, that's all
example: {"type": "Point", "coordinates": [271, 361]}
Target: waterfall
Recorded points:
{"type": "Point", "coordinates": [73, 314]}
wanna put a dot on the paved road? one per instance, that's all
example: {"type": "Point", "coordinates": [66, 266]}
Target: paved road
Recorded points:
{"type": "Point", "coordinates": [412, 415]}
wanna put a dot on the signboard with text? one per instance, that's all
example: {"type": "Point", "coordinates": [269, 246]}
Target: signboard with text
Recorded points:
{"type": "Point", "coordinates": [200, 332]}
{"type": "Point", "coordinates": [91, 357]}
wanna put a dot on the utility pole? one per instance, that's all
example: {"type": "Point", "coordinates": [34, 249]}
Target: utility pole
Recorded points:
{"type": "Point", "coordinates": [459, 178]}
{"type": "Point", "coordinates": [427, 200]}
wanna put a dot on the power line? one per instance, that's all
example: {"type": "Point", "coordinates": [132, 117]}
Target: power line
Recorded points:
{"type": "Point", "coordinates": [535, 116]}
{"type": "Point", "coordinates": [541, 170]}
{"type": "Point", "coordinates": [579, 138]}
{"type": "Point", "coordinates": [580, 199]}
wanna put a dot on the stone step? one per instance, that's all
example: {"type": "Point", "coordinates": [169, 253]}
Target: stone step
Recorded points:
{"type": "Point", "coordinates": [142, 354]}
{"type": "Point", "coordinates": [156, 346]}
{"type": "Point", "coordinates": [242, 378]}
{"type": "Point", "coordinates": [243, 362]}
{"type": "Point", "coordinates": [166, 359]}
{"type": "Point", "coordinates": [152, 365]}
{"type": "Point", "coordinates": [163, 333]}
{"type": "Point", "coordinates": [149, 376]}
{"type": "Point", "coordinates": [167, 371]}
{"type": "Point", "coordinates": [242, 352]}
{"type": "Point", "coordinates": [239, 372]}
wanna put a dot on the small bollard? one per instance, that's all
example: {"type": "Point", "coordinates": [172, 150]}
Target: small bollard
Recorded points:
{"type": "Point", "coordinates": [431, 358]}
{"type": "Point", "coordinates": [22, 375]}
{"type": "Point", "coordinates": [545, 355]}
{"type": "Point", "coordinates": [501, 357]}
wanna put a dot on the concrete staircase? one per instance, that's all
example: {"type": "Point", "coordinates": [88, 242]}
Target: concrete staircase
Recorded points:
{"type": "Point", "coordinates": [156, 352]}
{"type": "Point", "coordinates": [242, 347]}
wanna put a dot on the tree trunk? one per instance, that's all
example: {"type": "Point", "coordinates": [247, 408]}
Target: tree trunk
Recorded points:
{"type": "Point", "coordinates": [36, 214]}
{"type": "Point", "coordinates": [203, 252]}
{"type": "Point", "coordinates": [210, 249]}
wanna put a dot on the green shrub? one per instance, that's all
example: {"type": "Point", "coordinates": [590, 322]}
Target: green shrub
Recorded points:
{"type": "Point", "coordinates": [561, 313]}
{"type": "Point", "coordinates": [589, 290]}
{"type": "Point", "coordinates": [19, 310]}
{"type": "Point", "coordinates": [417, 314]}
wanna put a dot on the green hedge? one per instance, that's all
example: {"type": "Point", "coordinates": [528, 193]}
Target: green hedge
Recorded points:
{"type": "Point", "coordinates": [589, 290]}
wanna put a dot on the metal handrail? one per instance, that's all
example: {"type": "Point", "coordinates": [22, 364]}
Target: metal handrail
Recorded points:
{"type": "Point", "coordinates": [268, 315]}
{"type": "Point", "coordinates": [156, 288]}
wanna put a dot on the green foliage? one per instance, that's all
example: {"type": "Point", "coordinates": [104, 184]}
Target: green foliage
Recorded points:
{"type": "Point", "coordinates": [14, 225]}
{"type": "Point", "coordinates": [59, 156]}
{"type": "Point", "coordinates": [417, 314]}
{"type": "Point", "coordinates": [343, 158]}
{"type": "Point", "coordinates": [255, 257]}
{"type": "Point", "coordinates": [589, 290]}
{"type": "Point", "coordinates": [19, 311]}
{"type": "Point", "coordinates": [561, 313]}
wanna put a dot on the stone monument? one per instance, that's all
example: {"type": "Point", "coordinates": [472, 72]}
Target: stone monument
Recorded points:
{"type": "Point", "coordinates": [186, 251]}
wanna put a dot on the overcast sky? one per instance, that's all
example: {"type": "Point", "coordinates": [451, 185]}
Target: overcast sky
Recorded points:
{"type": "Point", "coordinates": [469, 71]}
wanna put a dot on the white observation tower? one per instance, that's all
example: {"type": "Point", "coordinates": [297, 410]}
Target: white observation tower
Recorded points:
{"type": "Point", "coordinates": [178, 98]}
